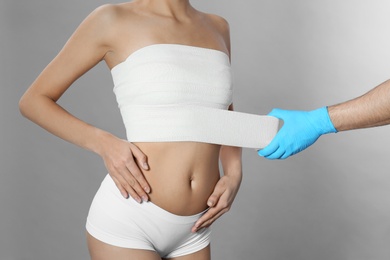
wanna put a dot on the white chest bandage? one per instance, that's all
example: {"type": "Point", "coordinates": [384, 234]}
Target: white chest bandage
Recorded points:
{"type": "Point", "coordinates": [172, 92]}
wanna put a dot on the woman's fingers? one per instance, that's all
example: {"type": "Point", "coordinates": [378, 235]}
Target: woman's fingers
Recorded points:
{"type": "Point", "coordinates": [120, 158]}
{"type": "Point", "coordinates": [135, 179]}
{"type": "Point", "coordinates": [218, 203]}
{"type": "Point", "coordinates": [142, 160]}
{"type": "Point", "coordinates": [132, 178]}
{"type": "Point", "coordinates": [119, 181]}
{"type": "Point", "coordinates": [140, 156]}
{"type": "Point", "coordinates": [210, 216]}
{"type": "Point", "coordinates": [128, 185]}
{"type": "Point", "coordinates": [213, 218]}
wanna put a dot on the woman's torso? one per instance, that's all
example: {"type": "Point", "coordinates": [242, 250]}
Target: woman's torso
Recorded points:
{"type": "Point", "coordinates": [182, 175]}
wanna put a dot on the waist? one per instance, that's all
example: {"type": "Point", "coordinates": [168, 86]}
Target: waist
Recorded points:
{"type": "Point", "coordinates": [182, 175]}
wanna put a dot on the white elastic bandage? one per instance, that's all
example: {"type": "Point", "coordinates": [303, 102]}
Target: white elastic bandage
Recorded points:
{"type": "Point", "coordinates": [198, 124]}
{"type": "Point", "coordinates": [173, 92]}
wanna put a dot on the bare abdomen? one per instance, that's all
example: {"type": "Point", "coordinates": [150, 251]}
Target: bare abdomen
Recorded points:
{"type": "Point", "coordinates": [182, 175]}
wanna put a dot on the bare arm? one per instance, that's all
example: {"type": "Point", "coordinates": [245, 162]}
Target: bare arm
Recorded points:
{"type": "Point", "coordinates": [227, 187]}
{"type": "Point", "coordinates": [84, 49]}
{"type": "Point", "coordinates": [371, 109]}
{"type": "Point", "coordinates": [301, 129]}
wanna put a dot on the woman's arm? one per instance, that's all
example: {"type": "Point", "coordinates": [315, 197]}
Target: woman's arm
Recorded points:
{"type": "Point", "coordinates": [227, 187]}
{"type": "Point", "coordinates": [84, 49]}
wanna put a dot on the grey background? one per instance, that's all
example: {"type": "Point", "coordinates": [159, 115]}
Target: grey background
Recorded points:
{"type": "Point", "coordinates": [329, 202]}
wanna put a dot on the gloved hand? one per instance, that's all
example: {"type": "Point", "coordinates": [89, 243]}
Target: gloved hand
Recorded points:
{"type": "Point", "coordinates": [300, 130]}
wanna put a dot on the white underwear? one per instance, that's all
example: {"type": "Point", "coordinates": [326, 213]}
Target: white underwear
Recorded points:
{"type": "Point", "coordinates": [125, 223]}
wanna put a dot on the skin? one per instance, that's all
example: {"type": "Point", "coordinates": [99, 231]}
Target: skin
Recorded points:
{"type": "Point", "coordinates": [160, 172]}
{"type": "Point", "coordinates": [369, 110]}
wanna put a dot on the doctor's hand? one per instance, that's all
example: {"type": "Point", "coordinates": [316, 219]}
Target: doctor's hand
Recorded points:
{"type": "Point", "coordinates": [300, 130]}
{"type": "Point", "coordinates": [123, 161]}
{"type": "Point", "coordinates": [220, 201]}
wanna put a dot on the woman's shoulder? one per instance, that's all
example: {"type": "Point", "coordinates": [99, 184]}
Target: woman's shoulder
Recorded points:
{"type": "Point", "coordinates": [218, 22]}
{"type": "Point", "coordinates": [220, 25]}
{"type": "Point", "coordinates": [100, 20]}
{"type": "Point", "coordinates": [109, 19]}
{"type": "Point", "coordinates": [112, 12]}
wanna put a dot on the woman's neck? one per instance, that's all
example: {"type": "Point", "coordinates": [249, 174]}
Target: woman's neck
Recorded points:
{"type": "Point", "coordinates": [177, 9]}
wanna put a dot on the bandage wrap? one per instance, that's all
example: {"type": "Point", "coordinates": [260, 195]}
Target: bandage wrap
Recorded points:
{"type": "Point", "coordinates": [172, 92]}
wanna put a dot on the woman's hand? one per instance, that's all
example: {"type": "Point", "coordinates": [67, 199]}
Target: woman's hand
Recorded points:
{"type": "Point", "coordinates": [123, 161]}
{"type": "Point", "coordinates": [220, 201]}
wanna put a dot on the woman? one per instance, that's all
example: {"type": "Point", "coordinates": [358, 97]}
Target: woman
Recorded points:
{"type": "Point", "coordinates": [175, 182]}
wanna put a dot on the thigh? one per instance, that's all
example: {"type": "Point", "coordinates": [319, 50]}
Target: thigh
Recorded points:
{"type": "Point", "coordinates": [99, 250]}
{"type": "Point", "coordinates": [203, 254]}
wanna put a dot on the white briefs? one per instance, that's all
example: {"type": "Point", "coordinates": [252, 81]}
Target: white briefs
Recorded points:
{"type": "Point", "coordinates": [126, 223]}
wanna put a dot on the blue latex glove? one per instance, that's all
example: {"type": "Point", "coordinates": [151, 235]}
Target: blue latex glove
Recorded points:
{"type": "Point", "coordinates": [300, 130]}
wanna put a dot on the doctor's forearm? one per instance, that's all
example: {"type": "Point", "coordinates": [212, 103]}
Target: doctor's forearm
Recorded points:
{"type": "Point", "coordinates": [369, 110]}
